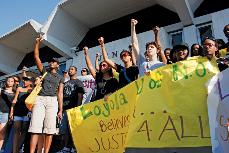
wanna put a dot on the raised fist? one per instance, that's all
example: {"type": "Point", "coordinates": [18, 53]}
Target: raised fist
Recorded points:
{"type": "Point", "coordinates": [25, 68]}
{"type": "Point", "coordinates": [101, 40]}
{"type": "Point", "coordinates": [38, 39]}
{"type": "Point", "coordinates": [134, 22]}
{"type": "Point", "coordinates": [85, 50]}
{"type": "Point", "coordinates": [156, 29]}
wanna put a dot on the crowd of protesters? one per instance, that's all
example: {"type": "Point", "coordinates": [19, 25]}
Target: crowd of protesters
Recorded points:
{"type": "Point", "coordinates": [33, 131]}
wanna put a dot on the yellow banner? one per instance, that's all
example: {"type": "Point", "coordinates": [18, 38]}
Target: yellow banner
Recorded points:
{"type": "Point", "coordinates": [171, 109]}
{"type": "Point", "coordinates": [102, 126]}
{"type": "Point", "coordinates": [166, 109]}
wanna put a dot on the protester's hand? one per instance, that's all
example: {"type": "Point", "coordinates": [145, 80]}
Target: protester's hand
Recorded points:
{"type": "Point", "coordinates": [134, 22]}
{"type": "Point", "coordinates": [106, 97]}
{"type": "Point", "coordinates": [97, 55]}
{"type": "Point", "coordinates": [60, 114]}
{"type": "Point", "coordinates": [38, 39]}
{"type": "Point", "coordinates": [156, 30]}
{"type": "Point", "coordinates": [85, 50]}
{"type": "Point", "coordinates": [101, 41]}
{"type": "Point", "coordinates": [24, 68]}
{"type": "Point", "coordinates": [147, 73]}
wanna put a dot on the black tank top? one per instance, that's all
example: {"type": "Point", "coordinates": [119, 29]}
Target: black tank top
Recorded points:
{"type": "Point", "coordinates": [20, 108]}
{"type": "Point", "coordinates": [5, 101]}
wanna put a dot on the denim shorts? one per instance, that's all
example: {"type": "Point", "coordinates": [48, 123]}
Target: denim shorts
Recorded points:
{"type": "Point", "coordinates": [21, 118]}
{"type": "Point", "coordinates": [4, 117]}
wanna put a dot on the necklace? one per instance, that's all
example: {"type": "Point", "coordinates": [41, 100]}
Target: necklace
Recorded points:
{"type": "Point", "coordinates": [103, 91]}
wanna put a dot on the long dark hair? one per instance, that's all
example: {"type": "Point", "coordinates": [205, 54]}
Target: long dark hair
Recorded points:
{"type": "Point", "coordinates": [200, 50]}
{"type": "Point", "coordinates": [5, 83]}
{"type": "Point", "coordinates": [110, 72]}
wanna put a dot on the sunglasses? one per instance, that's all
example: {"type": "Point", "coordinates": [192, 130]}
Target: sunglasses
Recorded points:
{"type": "Point", "coordinates": [125, 54]}
{"type": "Point", "coordinates": [83, 71]}
{"type": "Point", "coordinates": [103, 65]}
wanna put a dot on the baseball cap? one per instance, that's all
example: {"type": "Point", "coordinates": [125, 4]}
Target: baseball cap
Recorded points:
{"type": "Point", "coordinates": [28, 78]}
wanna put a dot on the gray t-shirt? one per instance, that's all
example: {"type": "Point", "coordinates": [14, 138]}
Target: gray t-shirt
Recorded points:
{"type": "Point", "coordinates": [50, 83]}
{"type": "Point", "coordinates": [148, 66]}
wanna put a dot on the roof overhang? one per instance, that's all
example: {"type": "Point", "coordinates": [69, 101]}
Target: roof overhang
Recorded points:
{"type": "Point", "coordinates": [22, 38]}
{"type": "Point", "coordinates": [97, 12]}
{"type": "Point", "coordinates": [72, 19]}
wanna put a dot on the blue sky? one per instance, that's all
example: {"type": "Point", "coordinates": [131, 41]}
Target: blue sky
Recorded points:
{"type": "Point", "coordinates": [13, 13]}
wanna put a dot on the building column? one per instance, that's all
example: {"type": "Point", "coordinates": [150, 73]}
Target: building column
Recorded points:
{"type": "Point", "coordinates": [190, 35]}
{"type": "Point", "coordinates": [184, 11]}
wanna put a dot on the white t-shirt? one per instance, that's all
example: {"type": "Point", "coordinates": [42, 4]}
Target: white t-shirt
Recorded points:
{"type": "Point", "coordinates": [148, 66]}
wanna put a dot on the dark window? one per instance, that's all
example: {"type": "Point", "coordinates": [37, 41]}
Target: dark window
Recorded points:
{"type": "Point", "coordinates": [205, 31]}
{"type": "Point", "coordinates": [176, 38]}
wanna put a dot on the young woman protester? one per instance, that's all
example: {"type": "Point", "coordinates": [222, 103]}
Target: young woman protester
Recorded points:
{"type": "Point", "coordinates": [196, 50]}
{"type": "Point", "coordinates": [127, 73]}
{"type": "Point", "coordinates": [48, 106]}
{"type": "Point", "coordinates": [19, 114]}
{"type": "Point", "coordinates": [105, 82]}
{"type": "Point", "coordinates": [6, 97]}
{"type": "Point", "coordinates": [167, 53]}
{"type": "Point", "coordinates": [180, 52]}
{"type": "Point", "coordinates": [84, 72]}
{"type": "Point", "coordinates": [153, 49]}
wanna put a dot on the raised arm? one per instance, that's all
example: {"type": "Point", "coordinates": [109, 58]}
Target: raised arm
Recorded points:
{"type": "Point", "coordinates": [97, 62]}
{"type": "Point", "coordinates": [132, 54]}
{"type": "Point", "coordinates": [24, 69]}
{"type": "Point", "coordinates": [36, 54]}
{"type": "Point", "coordinates": [156, 30]}
{"type": "Point", "coordinates": [158, 42]}
{"type": "Point", "coordinates": [104, 52]}
{"type": "Point", "coordinates": [134, 41]}
{"type": "Point", "coordinates": [88, 62]}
